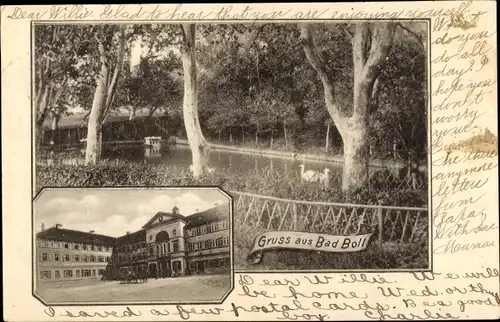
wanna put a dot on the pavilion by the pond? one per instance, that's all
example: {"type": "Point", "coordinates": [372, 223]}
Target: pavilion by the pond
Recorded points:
{"type": "Point", "coordinates": [72, 129]}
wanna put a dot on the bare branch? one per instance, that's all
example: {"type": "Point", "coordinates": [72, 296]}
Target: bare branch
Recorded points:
{"type": "Point", "coordinates": [312, 54]}
{"type": "Point", "coordinates": [42, 106]}
{"type": "Point", "coordinates": [359, 46]}
{"type": "Point", "coordinates": [346, 32]}
{"type": "Point", "coordinates": [118, 67]}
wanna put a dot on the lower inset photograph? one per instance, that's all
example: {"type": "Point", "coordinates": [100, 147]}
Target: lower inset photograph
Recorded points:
{"type": "Point", "coordinates": [132, 246]}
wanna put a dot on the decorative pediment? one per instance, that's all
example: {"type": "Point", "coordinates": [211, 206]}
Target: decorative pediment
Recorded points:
{"type": "Point", "coordinates": [161, 217]}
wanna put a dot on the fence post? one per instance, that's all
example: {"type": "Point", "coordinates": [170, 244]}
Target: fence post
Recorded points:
{"type": "Point", "coordinates": [414, 181]}
{"type": "Point", "coordinates": [380, 216]}
{"type": "Point", "coordinates": [294, 207]}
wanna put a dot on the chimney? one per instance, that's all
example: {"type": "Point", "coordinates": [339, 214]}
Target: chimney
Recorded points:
{"type": "Point", "coordinates": [43, 227]}
{"type": "Point", "coordinates": [92, 231]}
{"type": "Point", "coordinates": [128, 232]}
{"type": "Point", "coordinates": [175, 210]}
{"type": "Point", "coordinates": [58, 226]}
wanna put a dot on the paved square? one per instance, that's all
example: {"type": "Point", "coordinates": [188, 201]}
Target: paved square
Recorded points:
{"type": "Point", "coordinates": [178, 289]}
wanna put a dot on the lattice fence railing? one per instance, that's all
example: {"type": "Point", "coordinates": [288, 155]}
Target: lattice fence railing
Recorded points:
{"type": "Point", "coordinates": [389, 224]}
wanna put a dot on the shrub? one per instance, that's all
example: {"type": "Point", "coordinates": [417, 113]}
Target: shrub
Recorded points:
{"type": "Point", "coordinates": [266, 181]}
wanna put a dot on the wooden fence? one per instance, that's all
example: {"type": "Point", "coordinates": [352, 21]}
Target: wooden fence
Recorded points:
{"type": "Point", "coordinates": [389, 224]}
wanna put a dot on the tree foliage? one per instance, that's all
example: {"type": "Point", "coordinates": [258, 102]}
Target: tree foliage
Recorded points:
{"type": "Point", "coordinates": [254, 81]}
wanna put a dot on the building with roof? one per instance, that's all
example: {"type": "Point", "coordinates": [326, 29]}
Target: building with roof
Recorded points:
{"type": "Point", "coordinates": [64, 254]}
{"type": "Point", "coordinates": [70, 130]}
{"type": "Point", "coordinates": [168, 245]}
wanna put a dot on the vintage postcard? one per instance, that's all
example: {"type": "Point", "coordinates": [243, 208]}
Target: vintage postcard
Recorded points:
{"type": "Point", "coordinates": [279, 161]}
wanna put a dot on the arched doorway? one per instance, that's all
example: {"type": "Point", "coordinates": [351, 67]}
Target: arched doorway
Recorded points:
{"type": "Point", "coordinates": [162, 250]}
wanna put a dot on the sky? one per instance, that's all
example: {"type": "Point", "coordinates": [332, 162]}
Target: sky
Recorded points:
{"type": "Point", "coordinates": [113, 211]}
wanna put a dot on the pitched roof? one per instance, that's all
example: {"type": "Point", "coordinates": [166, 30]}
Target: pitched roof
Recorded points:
{"type": "Point", "coordinates": [75, 236]}
{"type": "Point", "coordinates": [164, 214]}
{"type": "Point", "coordinates": [132, 238]}
{"type": "Point", "coordinates": [79, 120]}
{"type": "Point", "coordinates": [217, 213]}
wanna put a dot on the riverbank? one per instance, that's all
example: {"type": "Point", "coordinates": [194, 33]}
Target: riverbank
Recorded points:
{"type": "Point", "coordinates": [297, 156]}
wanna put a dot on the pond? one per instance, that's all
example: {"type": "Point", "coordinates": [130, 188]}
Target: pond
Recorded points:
{"type": "Point", "coordinates": [180, 155]}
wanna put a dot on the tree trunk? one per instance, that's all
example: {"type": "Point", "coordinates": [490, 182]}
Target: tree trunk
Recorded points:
{"type": "Point", "coordinates": [103, 99]}
{"type": "Point", "coordinates": [131, 113]}
{"type": "Point", "coordinates": [230, 136]}
{"type": "Point", "coordinates": [257, 137]}
{"type": "Point", "coordinates": [199, 147]}
{"type": "Point", "coordinates": [243, 131]}
{"type": "Point", "coordinates": [327, 139]}
{"type": "Point", "coordinates": [371, 45]}
{"type": "Point", "coordinates": [94, 135]}
{"type": "Point", "coordinates": [272, 138]}
{"type": "Point", "coordinates": [355, 171]}
{"type": "Point", "coordinates": [219, 136]}
{"type": "Point", "coordinates": [54, 126]}
{"type": "Point", "coordinates": [284, 133]}
{"type": "Point", "coordinates": [38, 136]}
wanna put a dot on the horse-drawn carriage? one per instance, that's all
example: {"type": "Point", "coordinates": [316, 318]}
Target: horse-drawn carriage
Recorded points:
{"type": "Point", "coordinates": [134, 277]}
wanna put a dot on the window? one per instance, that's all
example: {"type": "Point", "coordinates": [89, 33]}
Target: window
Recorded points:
{"type": "Point", "coordinates": [45, 257]}
{"type": "Point", "coordinates": [208, 244]}
{"type": "Point", "coordinates": [100, 248]}
{"type": "Point", "coordinates": [101, 259]}
{"type": "Point", "coordinates": [151, 251]}
{"type": "Point", "coordinates": [85, 258]}
{"type": "Point", "coordinates": [67, 258]}
{"type": "Point", "coordinates": [66, 246]}
{"type": "Point", "coordinates": [85, 272]}
{"type": "Point", "coordinates": [77, 273]}
{"type": "Point", "coordinates": [93, 272]}
{"type": "Point", "coordinates": [92, 247]}
{"type": "Point", "coordinates": [77, 246]}
{"type": "Point", "coordinates": [176, 266]}
{"type": "Point", "coordinates": [168, 247]}
{"type": "Point", "coordinates": [77, 258]}
{"type": "Point", "coordinates": [56, 257]}
{"type": "Point", "coordinates": [92, 258]}
{"type": "Point", "coordinates": [57, 274]}
{"type": "Point", "coordinates": [175, 246]}
{"type": "Point", "coordinates": [45, 274]}
{"type": "Point", "coordinates": [100, 272]}
{"type": "Point", "coordinates": [193, 265]}
{"type": "Point", "coordinates": [68, 273]}
{"type": "Point", "coordinates": [200, 245]}
{"type": "Point", "coordinates": [84, 247]}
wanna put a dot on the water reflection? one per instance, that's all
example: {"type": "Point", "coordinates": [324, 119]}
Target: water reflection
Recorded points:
{"type": "Point", "coordinates": [220, 160]}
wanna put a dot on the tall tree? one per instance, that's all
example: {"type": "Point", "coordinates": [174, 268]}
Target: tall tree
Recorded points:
{"type": "Point", "coordinates": [111, 61]}
{"type": "Point", "coordinates": [200, 149]}
{"type": "Point", "coordinates": [371, 44]}
{"type": "Point", "coordinates": [55, 47]}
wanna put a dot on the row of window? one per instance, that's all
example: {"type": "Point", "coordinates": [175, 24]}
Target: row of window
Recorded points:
{"type": "Point", "coordinates": [68, 273]}
{"type": "Point", "coordinates": [131, 257]}
{"type": "Point", "coordinates": [130, 247]}
{"type": "Point", "coordinates": [56, 257]}
{"type": "Point", "coordinates": [164, 248]}
{"type": "Point", "coordinates": [208, 263]}
{"type": "Point", "coordinates": [208, 228]}
{"type": "Point", "coordinates": [207, 244]}
{"type": "Point", "coordinates": [57, 244]}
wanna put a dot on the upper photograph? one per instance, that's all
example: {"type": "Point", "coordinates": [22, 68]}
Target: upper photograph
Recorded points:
{"type": "Point", "coordinates": [318, 131]}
